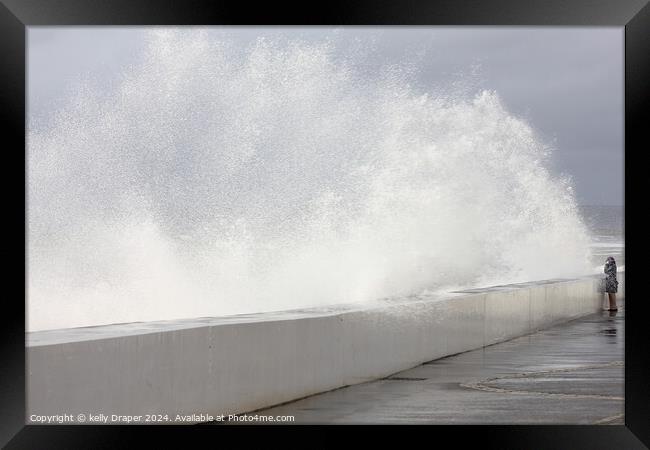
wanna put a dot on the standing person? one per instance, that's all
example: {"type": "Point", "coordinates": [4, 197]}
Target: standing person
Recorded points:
{"type": "Point", "coordinates": [611, 283]}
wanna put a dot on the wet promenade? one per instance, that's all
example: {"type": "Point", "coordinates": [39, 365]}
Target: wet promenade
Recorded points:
{"type": "Point", "coordinates": [569, 374]}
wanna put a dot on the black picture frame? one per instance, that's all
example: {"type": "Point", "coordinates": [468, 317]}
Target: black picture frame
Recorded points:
{"type": "Point", "coordinates": [16, 15]}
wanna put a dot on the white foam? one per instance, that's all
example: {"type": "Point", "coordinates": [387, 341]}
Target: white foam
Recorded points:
{"type": "Point", "coordinates": [216, 181]}
{"type": "Point", "coordinates": [607, 245]}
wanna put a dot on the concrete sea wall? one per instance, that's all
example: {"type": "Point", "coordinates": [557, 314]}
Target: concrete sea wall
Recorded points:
{"type": "Point", "coordinates": [237, 364]}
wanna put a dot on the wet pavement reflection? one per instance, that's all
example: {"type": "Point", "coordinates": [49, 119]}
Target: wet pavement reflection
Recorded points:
{"type": "Point", "coordinates": [572, 373]}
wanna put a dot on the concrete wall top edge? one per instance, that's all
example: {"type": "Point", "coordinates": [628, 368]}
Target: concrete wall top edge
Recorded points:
{"type": "Point", "coordinates": [101, 332]}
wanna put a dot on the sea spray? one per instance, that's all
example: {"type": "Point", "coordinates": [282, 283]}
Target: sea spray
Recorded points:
{"type": "Point", "coordinates": [217, 181]}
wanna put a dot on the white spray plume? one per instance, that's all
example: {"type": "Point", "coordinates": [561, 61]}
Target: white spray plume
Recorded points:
{"type": "Point", "coordinates": [217, 182]}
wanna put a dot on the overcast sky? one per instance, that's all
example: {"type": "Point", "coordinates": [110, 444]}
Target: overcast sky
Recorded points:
{"type": "Point", "coordinates": [566, 82]}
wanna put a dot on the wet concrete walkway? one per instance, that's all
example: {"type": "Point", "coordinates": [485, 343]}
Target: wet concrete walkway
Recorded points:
{"type": "Point", "coordinates": [568, 374]}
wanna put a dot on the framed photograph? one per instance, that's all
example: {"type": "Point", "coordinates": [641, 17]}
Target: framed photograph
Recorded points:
{"type": "Point", "coordinates": [408, 214]}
